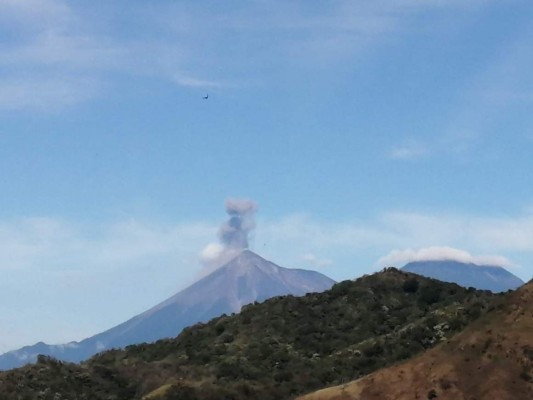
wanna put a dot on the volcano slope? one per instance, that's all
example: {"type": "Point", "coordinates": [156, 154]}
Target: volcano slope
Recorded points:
{"type": "Point", "coordinates": [243, 280]}
{"type": "Point", "coordinates": [277, 349]}
{"type": "Point", "coordinates": [491, 359]}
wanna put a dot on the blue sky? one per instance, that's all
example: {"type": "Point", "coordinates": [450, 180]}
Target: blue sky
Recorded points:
{"type": "Point", "coordinates": [368, 133]}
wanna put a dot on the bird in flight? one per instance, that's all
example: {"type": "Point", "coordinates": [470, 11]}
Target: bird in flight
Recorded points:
{"type": "Point", "coordinates": [206, 96]}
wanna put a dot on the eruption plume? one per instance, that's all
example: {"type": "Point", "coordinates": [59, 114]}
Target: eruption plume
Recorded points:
{"type": "Point", "coordinates": [233, 234]}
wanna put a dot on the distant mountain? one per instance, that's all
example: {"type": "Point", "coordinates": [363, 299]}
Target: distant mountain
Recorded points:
{"type": "Point", "coordinates": [484, 277]}
{"type": "Point", "coordinates": [491, 359]}
{"type": "Point", "coordinates": [274, 350]}
{"type": "Point", "coordinates": [243, 280]}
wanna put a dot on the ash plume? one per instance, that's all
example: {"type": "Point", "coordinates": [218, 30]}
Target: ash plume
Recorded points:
{"type": "Point", "coordinates": [233, 234]}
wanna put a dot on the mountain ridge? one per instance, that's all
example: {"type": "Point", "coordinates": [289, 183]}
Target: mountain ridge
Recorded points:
{"type": "Point", "coordinates": [245, 279]}
{"type": "Point", "coordinates": [491, 359]}
{"type": "Point", "coordinates": [273, 350]}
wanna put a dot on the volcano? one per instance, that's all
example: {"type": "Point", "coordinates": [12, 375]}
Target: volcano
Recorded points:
{"type": "Point", "coordinates": [484, 277]}
{"type": "Point", "coordinates": [245, 279]}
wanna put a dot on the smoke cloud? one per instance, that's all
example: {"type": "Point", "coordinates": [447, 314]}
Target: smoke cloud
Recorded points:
{"type": "Point", "coordinates": [233, 234]}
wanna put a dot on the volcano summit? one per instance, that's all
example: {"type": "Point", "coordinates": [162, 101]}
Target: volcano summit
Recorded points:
{"type": "Point", "coordinates": [244, 279]}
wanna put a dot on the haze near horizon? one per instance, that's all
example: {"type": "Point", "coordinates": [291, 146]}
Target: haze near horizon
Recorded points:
{"type": "Point", "coordinates": [366, 134]}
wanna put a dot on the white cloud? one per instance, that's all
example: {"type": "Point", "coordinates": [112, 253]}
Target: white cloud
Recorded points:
{"type": "Point", "coordinates": [52, 244]}
{"type": "Point", "coordinates": [58, 276]}
{"type": "Point", "coordinates": [50, 63]}
{"type": "Point", "coordinates": [474, 232]}
{"type": "Point", "coordinates": [46, 262]}
{"type": "Point", "coordinates": [56, 39]}
{"type": "Point", "coordinates": [410, 151]}
{"type": "Point", "coordinates": [402, 229]}
{"type": "Point", "coordinates": [34, 14]}
{"type": "Point", "coordinates": [359, 244]}
{"type": "Point", "coordinates": [211, 252]}
{"type": "Point", "coordinates": [316, 261]}
{"type": "Point", "coordinates": [215, 255]}
{"type": "Point", "coordinates": [71, 51]}
{"type": "Point", "coordinates": [45, 93]}
{"type": "Point", "coordinates": [188, 81]}
{"type": "Point", "coordinates": [398, 258]}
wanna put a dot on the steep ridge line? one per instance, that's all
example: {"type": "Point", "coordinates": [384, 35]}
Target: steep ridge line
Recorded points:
{"type": "Point", "coordinates": [272, 350]}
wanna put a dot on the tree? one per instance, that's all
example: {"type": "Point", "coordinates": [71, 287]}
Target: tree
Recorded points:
{"type": "Point", "coordinates": [410, 285]}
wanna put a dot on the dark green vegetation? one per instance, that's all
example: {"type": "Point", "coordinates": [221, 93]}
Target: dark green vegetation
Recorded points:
{"type": "Point", "coordinates": [273, 350]}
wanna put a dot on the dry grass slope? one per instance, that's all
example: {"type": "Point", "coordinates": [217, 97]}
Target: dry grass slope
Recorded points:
{"type": "Point", "coordinates": [491, 359]}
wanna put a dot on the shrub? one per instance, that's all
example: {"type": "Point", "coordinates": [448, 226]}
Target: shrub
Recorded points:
{"type": "Point", "coordinates": [410, 285]}
{"type": "Point", "coordinates": [430, 294]}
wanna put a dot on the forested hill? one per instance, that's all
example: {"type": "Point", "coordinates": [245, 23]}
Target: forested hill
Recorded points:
{"type": "Point", "coordinates": [491, 359]}
{"type": "Point", "coordinates": [278, 349]}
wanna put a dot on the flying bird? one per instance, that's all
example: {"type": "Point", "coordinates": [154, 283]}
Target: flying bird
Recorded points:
{"type": "Point", "coordinates": [206, 96]}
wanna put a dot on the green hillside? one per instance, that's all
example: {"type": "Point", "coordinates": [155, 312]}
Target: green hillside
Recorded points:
{"type": "Point", "coordinates": [274, 350]}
